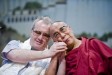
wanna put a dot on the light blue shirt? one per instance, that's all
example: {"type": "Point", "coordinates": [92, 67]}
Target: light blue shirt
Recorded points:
{"type": "Point", "coordinates": [14, 44]}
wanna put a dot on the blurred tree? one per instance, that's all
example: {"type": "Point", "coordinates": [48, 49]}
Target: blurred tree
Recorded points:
{"type": "Point", "coordinates": [110, 35]}
{"type": "Point", "coordinates": [104, 37]}
{"type": "Point", "coordinates": [95, 35]}
{"type": "Point", "coordinates": [84, 34]}
{"type": "Point", "coordinates": [2, 27]}
{"type": "Point", "coordinates": [89, 35]}
{"type": "Point", "coordinates": [11, 30]}
{"type": "Point", "coordinates": [32, 6]}
{"type": "Point", "coordinates": [17, 8]}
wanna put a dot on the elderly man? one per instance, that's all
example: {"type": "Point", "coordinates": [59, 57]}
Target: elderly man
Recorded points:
{"type": "Point", "coordinates": [84, 56]}
{"type": "Point", "coordinates": [28, 58]}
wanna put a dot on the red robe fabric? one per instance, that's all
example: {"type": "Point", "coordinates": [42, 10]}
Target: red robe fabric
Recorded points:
{"type": "Point", "coordinates": [93, 57]}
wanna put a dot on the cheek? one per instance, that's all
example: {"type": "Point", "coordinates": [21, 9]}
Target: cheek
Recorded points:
{"type": "Point", "coordinates": [68, 33]}
{"type": "Point", "coordinates": [60, 39]}
{"type": "Point", "coordinates": [70, 40]}
{"type": "Point", "coordinates": [33, 39]}
{"type": "Point", "coordinates": [45, 41]}
{"type": "Point", "coordinates": [54, 39]}
{"type": "Point", "coordinates": [31, 36]}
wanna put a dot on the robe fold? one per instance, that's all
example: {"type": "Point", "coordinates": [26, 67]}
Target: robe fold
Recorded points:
{"type": "Point", "coordinates": [92, 57]}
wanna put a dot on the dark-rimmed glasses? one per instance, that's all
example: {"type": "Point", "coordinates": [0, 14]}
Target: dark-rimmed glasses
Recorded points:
{"type": "Point", "coordinates": [38, 33]}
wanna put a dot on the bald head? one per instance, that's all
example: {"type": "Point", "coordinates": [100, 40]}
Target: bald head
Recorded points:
{"type": "Point", "coordinates": [56, 25]}
{"type": "Point", "coordinates": [61, 32]}
{"type": "Point", "coordinates": [45, 20]}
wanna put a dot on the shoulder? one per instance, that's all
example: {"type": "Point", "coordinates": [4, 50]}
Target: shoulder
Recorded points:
{"type": "Point", "coordinates": [14, 42]}
{"type": "Point", "coordinates": [95, 43]}
{"type": "Point", "coordinates": [11, 45]}
{"type": "Point", "coordinates": [92, 40]}
{"type": "Point", "coordinates": [25, 44]}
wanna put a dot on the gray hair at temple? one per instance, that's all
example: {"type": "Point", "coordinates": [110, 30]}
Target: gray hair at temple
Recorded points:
{"type": "Point", "coordinates": [46, 21]}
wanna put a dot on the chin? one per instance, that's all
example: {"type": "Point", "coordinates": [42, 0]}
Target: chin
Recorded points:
{"type": "Point", "coordinates": [37, 48]}
{"type": "Point", "coordinates": [70, 45]}
{"type": "Point", "coordinates": [69, 42]}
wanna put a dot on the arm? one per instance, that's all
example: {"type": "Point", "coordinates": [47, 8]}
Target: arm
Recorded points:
{"type": "Point", "coordinates": [51, 70]}
{"type": "Point", "coordinates": [62, 65]}
{"type": "Point", "coordinates": [23, 56]}
{"type": "Point", "coordinates": [61, 69]}
{"type": "Point", "coordinates": [57, 65]}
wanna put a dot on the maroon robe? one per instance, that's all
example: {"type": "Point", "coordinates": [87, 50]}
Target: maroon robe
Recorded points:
{"type": "Point", "coordinates": [92, 57]}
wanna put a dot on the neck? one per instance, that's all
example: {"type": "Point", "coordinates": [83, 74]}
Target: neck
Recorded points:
{"type": "Point", "coordinates": [33, 48]}
{"type": "Point", "coordinates": [77, 43]}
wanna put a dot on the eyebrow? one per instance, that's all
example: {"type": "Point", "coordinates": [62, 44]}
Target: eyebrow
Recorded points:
{"type": "Point", "coordinates": [61, 28]}
{"type": "Point", "coordinates": [41, 32]}
{"type": "Point", "coordinates": [55, 34]}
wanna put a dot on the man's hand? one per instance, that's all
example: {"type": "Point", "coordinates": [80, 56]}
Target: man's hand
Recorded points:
{"type": "Point", "coordinates": [56, 48]}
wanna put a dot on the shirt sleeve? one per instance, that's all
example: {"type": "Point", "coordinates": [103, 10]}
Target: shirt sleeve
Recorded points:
{"type": "Point", "coordinates": [10, 46]}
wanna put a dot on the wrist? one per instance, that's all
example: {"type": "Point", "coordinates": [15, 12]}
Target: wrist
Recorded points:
{"type": "Point", "coordinates": [45, 54]}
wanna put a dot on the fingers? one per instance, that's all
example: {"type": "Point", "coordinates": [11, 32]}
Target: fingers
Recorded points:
{"type": "Point", "coordinates": [61, 47]}
{"type": "Point", "coordinates": [61, 50]}
{"type": "Point", "coordinates": [57, 47]}
{"type": "Point", "coordinates": [60, 44]}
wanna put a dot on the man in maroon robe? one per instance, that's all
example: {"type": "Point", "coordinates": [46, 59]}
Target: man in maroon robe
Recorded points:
{"type": "Point", "coordinates": [84, 56]}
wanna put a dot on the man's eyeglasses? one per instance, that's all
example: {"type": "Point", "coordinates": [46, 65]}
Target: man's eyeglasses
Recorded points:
{"type": "Point", "coordinates": [38, 33]}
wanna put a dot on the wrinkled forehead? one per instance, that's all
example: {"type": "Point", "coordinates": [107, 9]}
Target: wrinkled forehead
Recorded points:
{"type": "Point", "coordinates": [42, 27]}
{"type": "Point", "coordinates": [41, 24]}
{"type": "Point", "coordinates": [55, 27]}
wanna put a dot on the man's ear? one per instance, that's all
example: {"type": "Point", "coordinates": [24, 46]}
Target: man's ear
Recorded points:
{"type": "Point", "coordinates": [31, 32]}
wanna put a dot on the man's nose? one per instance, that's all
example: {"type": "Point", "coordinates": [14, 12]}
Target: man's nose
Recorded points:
{"type": "Point", "coordinates": [40, 36]}
{"type": "Point", "coordinates": [62, 35]}
{"type": "Point", "coordinates": [60, 40]}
